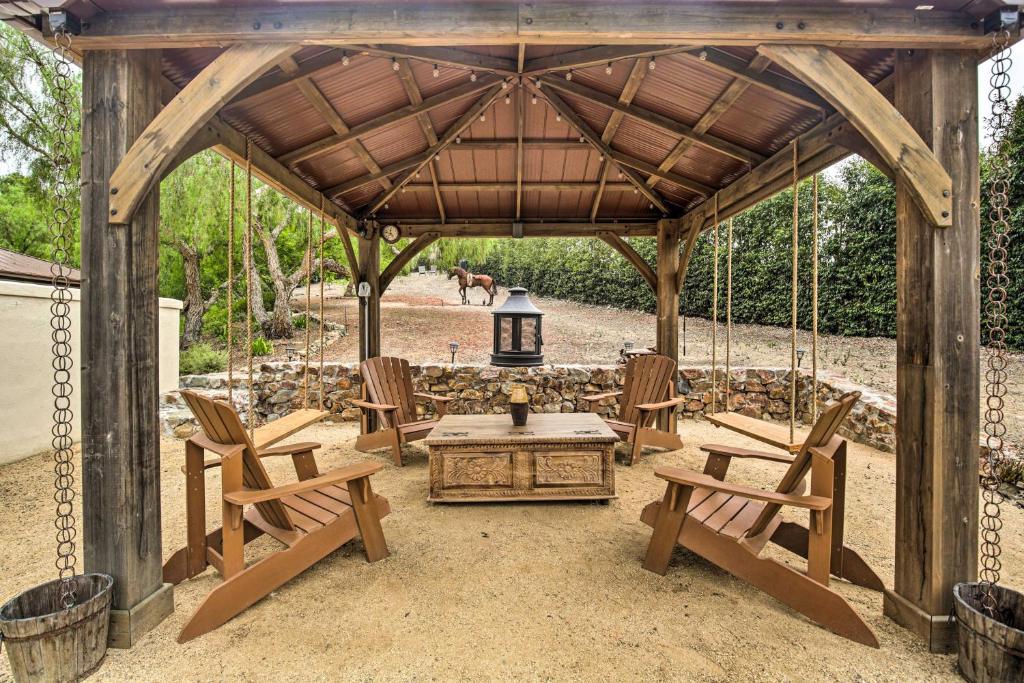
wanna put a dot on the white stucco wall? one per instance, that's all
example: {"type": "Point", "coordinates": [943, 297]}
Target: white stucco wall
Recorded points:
{"type": "Point", "coordinates": [26, 404]}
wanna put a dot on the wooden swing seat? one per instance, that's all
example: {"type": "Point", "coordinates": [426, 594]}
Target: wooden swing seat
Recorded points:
{"type": "Point", "coordinates": [311, 517]}
{"type": "Point", "coordinates": [766, 432]}
{"type": "Point", "coordinates": [729, 525]}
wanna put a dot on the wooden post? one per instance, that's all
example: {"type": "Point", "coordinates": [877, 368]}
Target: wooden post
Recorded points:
{"type": "Point", "coordinates": [668, 301]}
{"type": "Point", "coordinates": [369, 312]}
{"type": "Point", "coordinates": [937, 351]}
{"type": "Point", "coordinates": [120, 367]}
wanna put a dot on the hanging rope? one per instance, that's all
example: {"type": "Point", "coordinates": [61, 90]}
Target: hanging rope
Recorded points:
{"type": "Point", "coordinates": [231, 285]}
{"type": "Point", "coordinates": [714, 319]}
{"type": "Point", "coordinates": [250, 412]}
{"type": "Point", "coordinates": [60, 228]}
{"type": "Point", "coordinates": [814, 307]}
{"type": "Point", "coordinates": [322, 301]}
{"type": "Point", "coordinates": [997, 283]}
{"type": "Point", "coordinates": [728, 319]}
{"type": "Point", "coordinates": [792, 342]}
{"type": "Point", "coordinates": [309, 307]}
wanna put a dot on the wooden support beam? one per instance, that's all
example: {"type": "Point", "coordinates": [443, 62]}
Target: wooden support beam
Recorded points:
{"type": "Point", "coordinates": [651, 118]}
{"type": "Point", "coordinates": [389, 170]}
{"type": "Point", "coordinates": [412, 91]}
{"type": "Point", "coordinates": [668, 302]}
{"type": "Point", "coordinates": [629, 90]}
{"type": "Point", "coordinates": [512, 187]}
{"type": "Point", "coordinates": [937, 355]}
{"type": "Point", "coordinates": [878, 121]}
{"type": "Point", "coordinates": [652, 170]}
{"type": "Point", "coordinates": [560, 106]}
{"type": "Point", "coordinates": [448, 56]}
{"type": "Point", "coordinates": [119, 371]}
{"type": "Point", "coordinates": [477, 144]}
{"type": "Point", "coordinates": [409, 253]}
{"type": "Point", "coordinates": [597, 56]}
{"type": "Point", "coordinates": [555, 23]}
{"type": "Point", "coordinates": [464, 121]}
{"type": "Point", "coordinates": [629, 253]}
{"type": "Point", "coordinates": [274, 81]}
{"type": "Point", "coordinates": [520, 126]}
{"type": "Point", "coordinates": [369, 309]}
{"type": "Point", "coordinates": [757, 76]}
{"type": "Point", "coordinates": [721, 105]}
{"type": "Point", "coordinates": [334, 142]}
{"type": "Point", "coordinates": [692, 229]}
{"type": "Point", "coordinates": [491, 228]}
{"type": "Point", "coordinates": [174, 126]}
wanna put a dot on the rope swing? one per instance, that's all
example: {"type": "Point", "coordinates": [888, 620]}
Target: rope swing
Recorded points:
{"type": "Point", "coordinates": [321, 404]}
{"type": "Point", "coordinates": [714, 319]}
{"type": "Point", "coordinates": [250, 411]}
{"type": "Point", "coordinates": [793, 312]}
{"type": "Point", "coordinates": [231, 283]}
{"type": "Point", "coordinates": [309, 308]}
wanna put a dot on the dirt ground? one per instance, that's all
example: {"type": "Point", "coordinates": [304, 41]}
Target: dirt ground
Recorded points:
{"type": "Point", "coordinates": [420, 314]}
{"type": "Point", "coordinates": [504, 591]}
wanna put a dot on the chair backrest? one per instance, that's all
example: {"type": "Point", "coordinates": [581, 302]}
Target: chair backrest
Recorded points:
{"type": "Point", "coordinates": [222, 425]}
{"type": "Point", "coordinates": [648, 380]}
{"type": "Point", "coordinates": [389, 381]}
{"type": "Point", "coordinates": [820, 437]}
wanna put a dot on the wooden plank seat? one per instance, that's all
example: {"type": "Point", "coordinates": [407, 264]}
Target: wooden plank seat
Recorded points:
{"type": "Point", "coordinates": [766, 432]}
{"type": "Point", "coordinates": [649, 388]}
{"type": "Point", "coordinates": [312, 517]}
{"type": "Point", "coordinates": [387, 392]}
{"type": "Point", "coordinates": [729, 524]}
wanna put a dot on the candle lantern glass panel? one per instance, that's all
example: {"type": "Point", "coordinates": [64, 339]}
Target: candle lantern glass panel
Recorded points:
{"type": "Point", "coordinates": [517, 332]}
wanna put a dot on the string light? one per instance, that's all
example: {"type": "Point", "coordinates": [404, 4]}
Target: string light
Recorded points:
{"type": "Point", "coordinates": [472, 76]}
{"type": "Point", "coordinates": [568, 75]}
{"type": "Point", "coordinates": [533, 99]}
{"type": "Point", "coordinates": [703, 55]}
{"type": "Point", "coordinates": [482, 117]}
{"type": "Point", "coordinates": [620, 175]}
{"type": "Point", "coordinates": [508, 99]}
{"type": "Point", "coordinates": [608, 69]}
{"type": "Point", "coordinates": [436, 72]}
{"type": "Point", "coordinates": [394, 64]}
{"type": "Point", "coordinates": [458, 139]}
{"type": "Point", "coordinates": [504, 85]}
{"type": "Point", "coordinates": [344, 59]}
{"type": "Point", "coordinates": [650, 64]}
{"type": "Point", "coordinates": [558, 117]}
{"type": "Point", "coordinates": [582, 139]}
{"type": "Point", "coordinates": [635, 190]}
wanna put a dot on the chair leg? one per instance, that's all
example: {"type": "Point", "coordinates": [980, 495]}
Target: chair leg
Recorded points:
{"type": "Point", "coordinates": [368, 518]}
{"type": "Point", "coordinates": [671, 516]}
{"type": "Point", "coordinates": [396, 447]}
{"type": "Point", "coordinates": [846, 563]}
{"type": "Point", "coordinates": [636, 449]}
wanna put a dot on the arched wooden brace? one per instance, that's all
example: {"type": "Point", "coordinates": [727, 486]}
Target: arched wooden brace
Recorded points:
{"type": "Point", "coordinates": [406, 255]}
{"type": "Point", "coordinates": [173, 128]}
{"type": "Point", "coordinates": [629, 253]}
{"type": "Point", "coordinates": [895, 140]}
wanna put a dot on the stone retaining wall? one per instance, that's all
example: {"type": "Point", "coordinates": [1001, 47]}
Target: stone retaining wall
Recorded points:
{"type": "Point", "coordinates": [758, 392]}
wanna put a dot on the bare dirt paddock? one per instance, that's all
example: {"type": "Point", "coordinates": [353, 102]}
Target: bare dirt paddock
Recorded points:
{"type": "Point", "coordinates": [504, 592]}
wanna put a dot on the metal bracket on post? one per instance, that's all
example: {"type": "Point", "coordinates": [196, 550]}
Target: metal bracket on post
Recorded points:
{"type": "Point", "coordinates": [59, 21]}
{"type": "Point", "coordinates": [1003, 19]}
{"type": "Point", "coordinates": [517, 231]}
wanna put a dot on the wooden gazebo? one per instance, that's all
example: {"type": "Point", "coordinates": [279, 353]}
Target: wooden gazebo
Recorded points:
{"type": "Point", "coordinates": [495, 118]}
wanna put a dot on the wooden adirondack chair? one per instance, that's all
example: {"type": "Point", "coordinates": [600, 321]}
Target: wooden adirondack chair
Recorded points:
{"type": "Point", "coordinates": [729, 524]}
{"type": "Point", "coordinates": [312, 517]}
{"type": "Point", "coordinates": [387, 390]}
{"type": "Point", "coordinates": [649, 388]}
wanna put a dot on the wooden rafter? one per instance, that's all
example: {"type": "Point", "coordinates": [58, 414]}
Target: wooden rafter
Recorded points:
{"type": "Point", "coordinates": [737, 67]}
{"type": "Point", "coordinates": [653, 119]}
{"type": "Point", "coordinates": [182, 118]}
{"type": "Point", "coordinates": [512, 143]}
{"type": "Point", "coordinates": [412, 91]}
{"type": "Point", "coordinates": [693, 229]}
{"type": "Point", "coordinates": [512, 186]}
{"type": "Point", "coordinates": [597, 56]}
{"type": "Point", "coordinates": [491, 228]}
{"type": "Point", "coordinates": [335, 142]}
{"type": "Point", "coordinates": [878, 121]}
{"type": "Point", "coordinates": [629, 90]}
{"type": "Point", "coordinates": [630, 254]}
{"type": "Point", "coordinates": [447, 56]}
{"type": "Point", "coordinates": [274, 81]}
{"type": "Point", "coordinates": [560, 106]}
{"type": "Point", "coordinates": [721, 105]}
{"type": "Point", "coordinates": [330, 115]}
{"type": "Point", "coordinates": [389, 170]}
{"type": "Point", "coordinates": [448, 138]}
{"type": "Point", "coordinates": [407, 254]}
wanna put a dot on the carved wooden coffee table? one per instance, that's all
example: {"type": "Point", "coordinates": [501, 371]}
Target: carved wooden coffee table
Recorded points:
{"type": "Point", "coordinates": [484, 458]}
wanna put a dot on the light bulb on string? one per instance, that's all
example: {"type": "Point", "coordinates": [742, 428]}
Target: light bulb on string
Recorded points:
{"type": "Point", "coordinates": [472, 76]}
{"type": "Point", "coordinates": [436, 72]}
{"type": "Point", "coordinates": [650, 64]}
{"type": "Point", "coordinates": [608, 69]}
{"type": "Point", "coordinates": [394, 64]}
{"type": "Point", "coordinates": [568, 75]}
{"type": "Point", "coordinates": [344, 59]}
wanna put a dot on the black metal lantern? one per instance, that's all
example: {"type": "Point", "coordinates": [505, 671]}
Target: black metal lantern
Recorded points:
{"type": "Point", "coordinates": [517, 334]}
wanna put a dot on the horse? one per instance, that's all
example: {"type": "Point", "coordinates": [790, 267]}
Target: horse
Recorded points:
{"type": "Point", "coordinates": [467, 280]}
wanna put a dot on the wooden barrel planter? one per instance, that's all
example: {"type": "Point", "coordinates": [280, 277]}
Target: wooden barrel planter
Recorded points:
{"type": "Point", "coordinates": [991, 647]}
{"type": "Point", "coordinates": [47, 643]}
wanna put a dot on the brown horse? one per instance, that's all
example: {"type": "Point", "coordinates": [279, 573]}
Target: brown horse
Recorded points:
{"type": "Point", "coordinates": [467, 280]}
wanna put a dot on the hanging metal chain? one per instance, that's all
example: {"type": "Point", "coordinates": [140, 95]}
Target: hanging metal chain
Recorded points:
{"type": "Point", "coordinates": [62, 237]}
{"type": "Point", "coordinates": [997, 284]}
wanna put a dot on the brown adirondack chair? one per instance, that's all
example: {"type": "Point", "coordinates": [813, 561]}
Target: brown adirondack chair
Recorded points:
{"type": "Point", "coordinates": [649, 388]}
{"type": "Point", "coordinates": [312, 517]}
{"type": "Point", "coordinates": [729, 524]}
{"type": "Point", "coordinates": [387, 391]}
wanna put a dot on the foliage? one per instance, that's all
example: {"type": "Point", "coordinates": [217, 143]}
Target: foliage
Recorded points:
{"type": "Point", "coordinates": [201, 359]}
{"type": "Point", "coordinates": [262, 347]}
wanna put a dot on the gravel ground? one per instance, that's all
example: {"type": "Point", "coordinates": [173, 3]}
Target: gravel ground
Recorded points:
{"type": "Point", "coordinates": [534, 592]}
{"type": "Point", "coordinates": [420, 314]}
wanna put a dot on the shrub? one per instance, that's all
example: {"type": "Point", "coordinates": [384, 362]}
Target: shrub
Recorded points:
{"type": "Point", "coordinates": [299, 322]}
{"type": "Point", "coordinates": [262, 347]}
{"type": "Point", "coordinates": [201, 358]}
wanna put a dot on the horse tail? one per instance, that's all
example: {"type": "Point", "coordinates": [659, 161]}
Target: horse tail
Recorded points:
{"type": "Point", "coordinates": [494, 287]}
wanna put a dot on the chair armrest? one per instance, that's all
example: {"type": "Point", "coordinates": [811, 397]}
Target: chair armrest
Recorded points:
{"type": "Point", "coordinates": [434, 397]}
{"type": "Point", "coordinates": [734, 452]}
{"type": "Point", "coordinates": [288, 449]}
{"type": "Point", "coordinates": [338, 476]}
{"type": "Point", "coordinates": [366, 405]}
{"type": "Point", "coordinates": [695, 479]}
{"type": "Point", "coordinates": [599, 397]}
{"type": "Point", "coordinates": [679, 400]}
